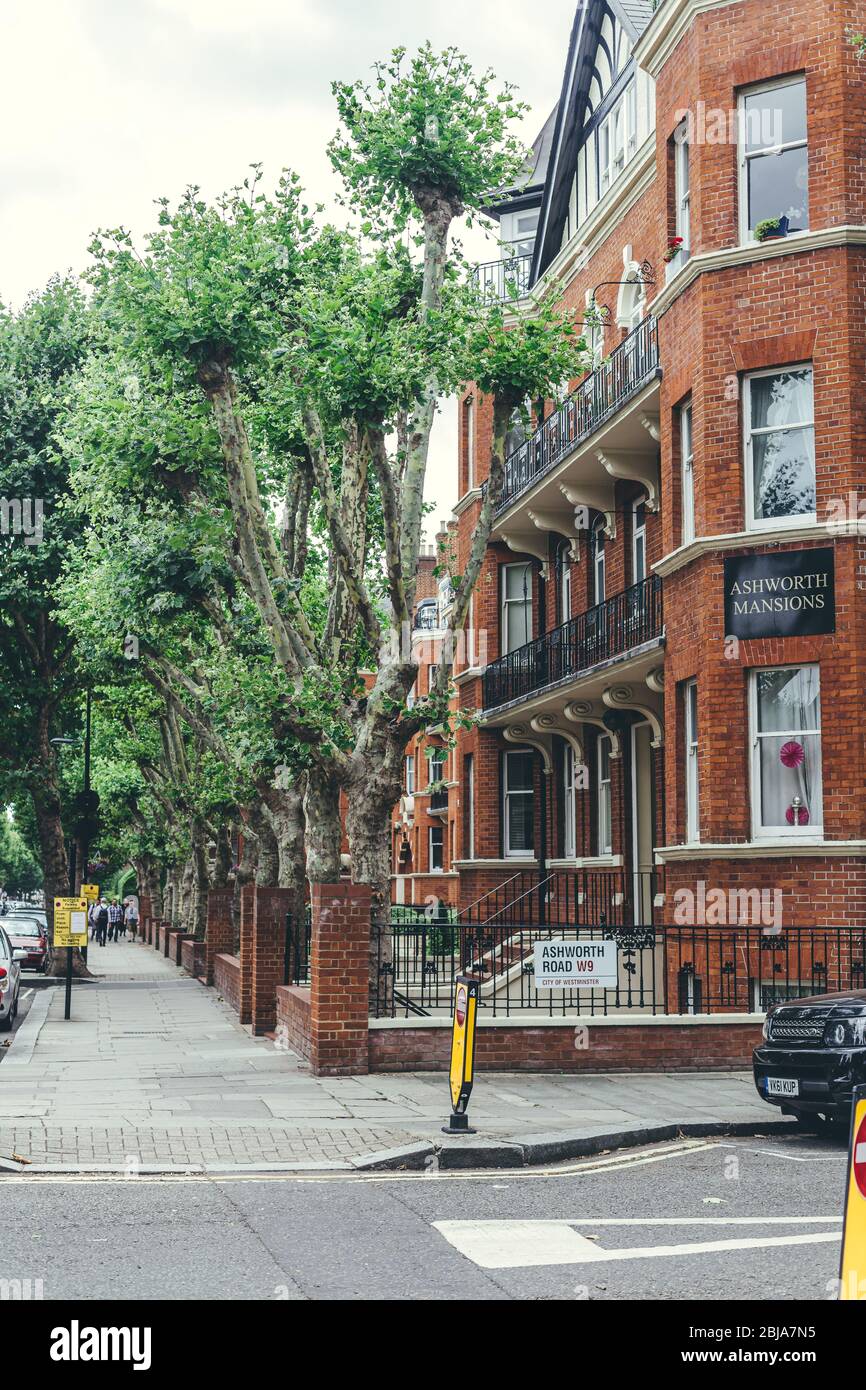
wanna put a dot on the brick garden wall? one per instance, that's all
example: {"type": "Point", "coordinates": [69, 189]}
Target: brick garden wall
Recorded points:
{"type": "Point", "coordinates": [293, 1019]}
{"type": "Point", "coordinates": [227, 979]}
{"type": "Point", "coordinates": [611, 1047]}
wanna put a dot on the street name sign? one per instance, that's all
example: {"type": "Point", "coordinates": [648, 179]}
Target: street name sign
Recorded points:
{"type": "Point", "coordinates": [852, 1270]}
{"type": "Point", "coordinates": [70, 922]}
{"type": "Point", "coordinates": [571, 964]}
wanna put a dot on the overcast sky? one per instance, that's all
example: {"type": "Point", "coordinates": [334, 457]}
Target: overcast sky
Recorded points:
{"type": "Point", "coordinates": [108, 104]}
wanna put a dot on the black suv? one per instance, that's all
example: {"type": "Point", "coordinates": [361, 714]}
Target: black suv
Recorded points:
{"type": "Point", "coordinates": [813, 1054]}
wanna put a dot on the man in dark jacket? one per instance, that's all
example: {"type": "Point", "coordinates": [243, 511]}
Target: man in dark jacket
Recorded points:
{"type": "Point", "coordinates": [101, 921]}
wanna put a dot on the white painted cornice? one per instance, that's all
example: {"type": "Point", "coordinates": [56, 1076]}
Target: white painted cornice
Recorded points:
{"type": "Point", "coordinates": [729, 257]}
{"type": "Point", "coordinates": [741, 540]}
{"type": "Point", "coordinates": [761, 849]}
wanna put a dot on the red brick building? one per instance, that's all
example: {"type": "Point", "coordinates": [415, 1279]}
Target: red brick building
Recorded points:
{"type": "Point", "coordinates": [667, 652]}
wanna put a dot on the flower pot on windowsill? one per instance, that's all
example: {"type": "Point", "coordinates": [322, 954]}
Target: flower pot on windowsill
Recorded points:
{"type": "Point", "coordinates": [772, 229]}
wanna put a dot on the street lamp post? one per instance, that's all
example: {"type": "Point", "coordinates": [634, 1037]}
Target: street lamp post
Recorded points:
{"type": "Point", "coordinates": [86, 806]}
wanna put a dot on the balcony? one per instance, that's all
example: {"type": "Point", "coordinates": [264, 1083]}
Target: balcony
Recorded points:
{"type": "Point", "coordinates": [506, 279]}
{"type": "Point", "coordinates": [630, 368]}
{"type": "Point", "coordinates": [621, 624]}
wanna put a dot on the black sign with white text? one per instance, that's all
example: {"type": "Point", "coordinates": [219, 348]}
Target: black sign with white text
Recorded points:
{"type": "Point", "coordinates": [790, 593]}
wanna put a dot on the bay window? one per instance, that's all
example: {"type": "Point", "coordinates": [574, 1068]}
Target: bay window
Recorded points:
{"type": "Point", "coordinates": [778, 414]}
{"type": "Point", "coordinates": [785, 717]}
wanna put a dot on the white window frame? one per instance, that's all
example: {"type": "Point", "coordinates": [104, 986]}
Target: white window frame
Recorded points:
{"type": "Point", "coordinates": [692, 782]}
{"type": "Point", "coordinates": [410, 774]}
{"type": "Point", "coordinates": [599, 578]}
{"type": "Point", "coordinates": [815, 829]}
{"type": "Point", "coordinates": [604, 796]}
{"type": "Point", "coordinates": [773, 523]}
{"type": "Point", "coordinates": [617, 137]}
{"type": "Point", "coordinates": [687, 464]}
{"type": "Point", "coordinates": [638, 540]}
{"type": "Point", "coordinates": [747, 237]}
{"type": "Point", "coordinates": [516, 853]}
{"type": "Point", "coordinates": [509, 602]}
{"type": "Point", "coordinates": [569, 789]}
{"type": "Point", "coordinates": [469, 791]}
{"type": "Point", "coordinates": [470, 443]}
{"type": "Point", "coordinates": [565, 582]}
{"type": "Point", "coordinates": [431, 831]}
{"type": "Point", "coordinates": [682, 185]}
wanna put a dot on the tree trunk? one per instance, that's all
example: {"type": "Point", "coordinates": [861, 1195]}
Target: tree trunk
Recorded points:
{"type": "Point", "coordinates": [197, 920]}
{"type": "Point", "coordinates": [368, 822]}
{"type": "Point", "coordinates": [45, 795]}
{"type": "Point", "coordinates": [324, 829]}
{"type": "Point", "coordinates": [245, 873]}
{"type": "Point", "coordinates": [222, 863]}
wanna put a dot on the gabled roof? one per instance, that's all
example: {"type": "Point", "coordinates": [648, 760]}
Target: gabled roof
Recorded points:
{"type": "Point", "coordinates": [529, 183]}
{"type": "Point", "coordinates": [634, 15]}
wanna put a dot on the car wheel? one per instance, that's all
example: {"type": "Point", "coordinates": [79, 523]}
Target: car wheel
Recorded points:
{"type": "Point", "coordinates": [6, 1023]}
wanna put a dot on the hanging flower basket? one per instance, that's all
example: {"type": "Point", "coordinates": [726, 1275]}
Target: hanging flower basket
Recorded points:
{"type": "Point", "coordinates": [96, 867]}
{"type": "Point", "coordinates": [675, 246]}
{"type": "Point", "coordinates": [792, 754]}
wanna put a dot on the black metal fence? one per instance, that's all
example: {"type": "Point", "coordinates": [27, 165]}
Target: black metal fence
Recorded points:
{"type": "Point", "coordinates": [628, 369]}
{"type": "Point", "coordinates": [296, 955]}
{"type": "Point", "coordinates": [626, 620]}
{"type": "Point", "coordinates": [670, 970]}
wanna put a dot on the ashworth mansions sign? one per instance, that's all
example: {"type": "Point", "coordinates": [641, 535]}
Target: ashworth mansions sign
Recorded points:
{"type": "Point", "coordinates": [791, 593]}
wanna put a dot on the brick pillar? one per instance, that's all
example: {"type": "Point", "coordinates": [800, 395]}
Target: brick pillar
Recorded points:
{"type": "Point", "coordinates": [219, 940]}
{"type": "Point", "coordinates": [248, 911]}
{"type": "Point", "coordinates": [269, 946]}
{"type": "Point", "coordinates": [339, 970]}
{"type": "Point", "coordinates": [145, 908]}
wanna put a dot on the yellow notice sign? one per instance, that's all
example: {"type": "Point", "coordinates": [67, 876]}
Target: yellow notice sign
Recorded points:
{"type": "Point", "coordinates": [463, 1042]}
{"type": "Point", "coordinates": [70, 922]}
{"type": "Point", "coordinates": [90, 891]}
{"type": "Point", "coordinates": [852, 1272]}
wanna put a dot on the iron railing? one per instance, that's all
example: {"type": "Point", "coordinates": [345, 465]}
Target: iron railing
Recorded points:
{"type": "Point", "coordinates": [609, 629]}
{"type": "Point", "coordinates": [628, 369]}
{"type": "Point", "coordinates": [504, 279]}
{"type": "Point", "coordinates": [669, 970]}
{"type": "Point", "coordinates": [296, 952]}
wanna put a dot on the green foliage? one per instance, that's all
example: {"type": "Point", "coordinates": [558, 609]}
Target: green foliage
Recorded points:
{"type": "Point", "coordinates": [427, 125]}
{"type": "Point", "coordinates": [19, 871]}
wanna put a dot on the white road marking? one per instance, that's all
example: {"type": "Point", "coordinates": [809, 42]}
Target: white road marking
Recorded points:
{"type": "Point", "coordinates": [528, 1244]}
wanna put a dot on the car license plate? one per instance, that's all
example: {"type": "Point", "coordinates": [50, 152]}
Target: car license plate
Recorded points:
{"type": "Point", "coordinates": [782, 1086]}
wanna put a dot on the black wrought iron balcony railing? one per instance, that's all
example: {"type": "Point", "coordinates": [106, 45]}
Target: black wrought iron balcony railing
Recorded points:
{"type": "Point", "coordinates": [439, 798]}
{"type": "Point", "coordinates": [505, 279]}
{"type": "Point", "coordinates": [630, 368]}
{"type": "Point", "coordinates": [609, 629]}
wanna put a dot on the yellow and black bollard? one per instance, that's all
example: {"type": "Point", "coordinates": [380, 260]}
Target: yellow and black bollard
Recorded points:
{"type": "Point", "coordinates": [462, 1054]}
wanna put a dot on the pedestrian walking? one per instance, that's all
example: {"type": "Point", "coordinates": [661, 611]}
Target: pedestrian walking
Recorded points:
{"type": "Point", "coordinates": [101, 921]}
{"type": "Point", "coordinates": [130, 918]}
{"type": "Point", "coordinates": [115, 920]}
{"type": "Point", "coordinates": [92, 916]}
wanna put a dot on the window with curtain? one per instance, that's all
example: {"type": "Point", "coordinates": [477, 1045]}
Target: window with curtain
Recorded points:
{"type": "Point", "coordinates": [774, 156]}
{"type": "Point", "coordinates": [569, 838]}
{"type": "Point", "coordinates": [516, 606]}
{"type": "Point", "coordinates": [682, 182]}
{"type": "Point", "coordinates": [410, 775]}
{"type": "Point", "coordinates": [787, 789]}
{"type": "Point", "coordinates": [690, 699]}
{"type": "Point", "coordinates": [605, 810]}
{"type": "Point", "coordinates": [687, 533]}
{"type": "Point", "coordinates": [518, 804]}
{"type": "Point", "coordinates": [437, 847]}
{"type": "Point", "coordinates": [779, 446]}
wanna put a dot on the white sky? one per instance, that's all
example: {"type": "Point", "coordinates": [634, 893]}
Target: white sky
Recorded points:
{"type": "Point", "coordinates": [108, 104]}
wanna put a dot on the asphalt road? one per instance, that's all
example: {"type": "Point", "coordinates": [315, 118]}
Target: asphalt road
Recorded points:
{"type": "Point", "coordinates": [757, 1219]}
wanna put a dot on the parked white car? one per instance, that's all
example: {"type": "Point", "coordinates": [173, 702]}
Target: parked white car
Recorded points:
{"type": "Point", "coordinates": [10, 981]}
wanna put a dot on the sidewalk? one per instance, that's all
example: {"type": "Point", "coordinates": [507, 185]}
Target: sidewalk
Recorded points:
{"type": "Point", "coordinates": [154, 1071]}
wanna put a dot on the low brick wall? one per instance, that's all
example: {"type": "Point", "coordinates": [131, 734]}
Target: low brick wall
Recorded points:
{"type": "Point", "coordinates": [574, 1045]}
{"type": "Point", "coordinates": [294, 1026]}
{"type": "Point", "coordinates": [192, 956]}
{"type": "Point", "coordinates": [176, 944]}
{"type": "Point", "coordinates": [227, 980]}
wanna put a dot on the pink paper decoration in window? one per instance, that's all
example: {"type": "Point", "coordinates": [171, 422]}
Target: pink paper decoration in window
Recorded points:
{"type": "Point", "coordinates": [792, 754]}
